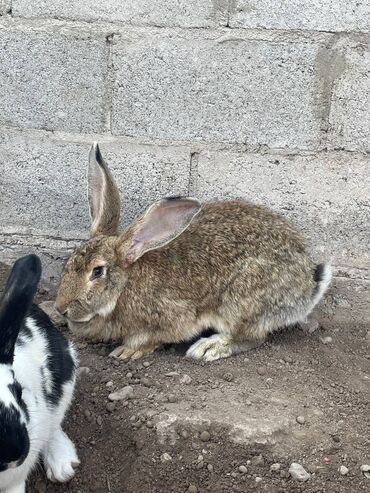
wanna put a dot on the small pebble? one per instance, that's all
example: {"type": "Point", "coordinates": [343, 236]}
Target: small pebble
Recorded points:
{"type": "Point", "coordinates": [99, 420]}
{"type": "Point", "coordinates": [186, 380]}
{"type": "Point", "coordinates": [343, 470]}
{"type": "Point", "coordinates": [146, 364]}
{"type": "Point", "coordinates": [258, 461]}
{"type": "Point", "coordinates": [326, 340]}
{"type": "Point", "coordinates": [129, 374]}
{"type": "Point", "coordinates": [242, 469]}
{"type": "Point", "coordinates": [261, 370]}
{"type": "Point", "coordinates": [83, 370]}
{"type": "Point", "coordinates": [192, 489]}
{"type": "Point", "coordinates": [166, 457]}
{"type": "Point", "coordinates": [275, 467]}
{"type": "Point", "coordinates": [258, 480]}
{"type": "Point", "coordinates": [210, 467]}
{"type": "Point", "coordinates": [109, 384]}
{"type": "Point", "coordinates": [146, 382]}
{"type": "Point", "coordinates": [300, 419]}
{"type": "Point", "coordinates": [336, 438]}
{"type": "Point", "coordinates": [298, 472]}
{"type": "Point", "coordinates": [172, 398]}
{"type": "Point", "coordinates": [205, 436]}
{"type": "Point", "coordinates": [122, 394]}
{"type": "Point", "coordinates": [171, 374]}
{"type": "Point", "coordinates": [111, 406]}
{"type": "Point", "coordinates": [228, 377]}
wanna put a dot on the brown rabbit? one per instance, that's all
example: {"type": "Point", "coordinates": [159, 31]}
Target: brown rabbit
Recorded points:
{"type": "Point", "coordinates": [182, 267]}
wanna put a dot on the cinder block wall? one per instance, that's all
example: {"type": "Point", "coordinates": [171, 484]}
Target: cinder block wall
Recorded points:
{"type": "Point", "coordinates": [263, 99]}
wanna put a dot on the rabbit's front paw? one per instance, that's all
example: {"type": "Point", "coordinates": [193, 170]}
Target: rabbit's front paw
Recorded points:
{"type": "Point", "coordinates": [211, 348]}
{"type": "Point", "coordinates": [125, 352]}
{"type": "Point", "coordinates": [60, 458]}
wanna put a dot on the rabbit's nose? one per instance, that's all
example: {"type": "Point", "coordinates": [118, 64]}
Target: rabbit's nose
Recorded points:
{"type": "Point", "coordinates": [63, 310]}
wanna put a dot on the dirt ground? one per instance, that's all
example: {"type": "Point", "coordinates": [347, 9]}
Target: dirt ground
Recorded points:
{"type": "Point", "coordinates": [219, 427]}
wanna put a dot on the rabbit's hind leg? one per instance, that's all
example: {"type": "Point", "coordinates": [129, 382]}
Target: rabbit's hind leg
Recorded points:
{"type": "Point", "coordinates": [220, 346]}
{"type": "Point", "coordinates": [211, 348]}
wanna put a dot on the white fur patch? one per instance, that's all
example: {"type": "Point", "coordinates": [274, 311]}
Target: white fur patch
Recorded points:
{"type": "Point", "coordinates": [60, 458]}
{"type": "Point", "coordinates": [137, 341]}
{"type": "Point", "coordinates": [211, 348]}
{"type": "Point", "coordinates": [107, 309]}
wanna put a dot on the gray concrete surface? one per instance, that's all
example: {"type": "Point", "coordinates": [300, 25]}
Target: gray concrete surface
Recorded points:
{"type": "Point", "coordinates": [45, 77]}
{"type": "Point", "coordinates": [316, 15]}
{"type": "Point", "coordinates": [263, 100]}
{"type": "Point", "coordinates": [185, 13]}
{"type": "Point", "coordinates": [217, 90]}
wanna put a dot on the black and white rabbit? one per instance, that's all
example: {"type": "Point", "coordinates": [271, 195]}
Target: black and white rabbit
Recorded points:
{"type": "Point", "coordinates": [37, 379]}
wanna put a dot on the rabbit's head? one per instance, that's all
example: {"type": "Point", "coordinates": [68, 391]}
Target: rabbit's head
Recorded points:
{"type": "Point", "coordinates": [95, 274]}
{"type": "Point", "coordinates": [14, 416]}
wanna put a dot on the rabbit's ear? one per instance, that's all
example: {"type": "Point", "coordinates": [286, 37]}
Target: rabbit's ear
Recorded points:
{"type": "Point", "coordinates": [160, 224]}
{"type": "Point", "coordinates": [15, 304]}
{"type": "Point", "coordinates": [103, 196]}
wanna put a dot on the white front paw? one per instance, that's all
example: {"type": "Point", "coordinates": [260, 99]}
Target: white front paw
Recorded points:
{"type": "Point", "coordinates": [60, 458]}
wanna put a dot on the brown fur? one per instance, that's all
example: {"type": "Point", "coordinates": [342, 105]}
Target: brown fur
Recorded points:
{"type": "Point", "coordinates": [237, 267]}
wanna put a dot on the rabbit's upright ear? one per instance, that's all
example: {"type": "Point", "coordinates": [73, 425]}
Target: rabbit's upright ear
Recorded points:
{"type": "Point", "coordinates": [15, 304]}
{"type": "Point", "coordinates": [103, 196]}
{"type": "Point", "coordinates": [160, 224]}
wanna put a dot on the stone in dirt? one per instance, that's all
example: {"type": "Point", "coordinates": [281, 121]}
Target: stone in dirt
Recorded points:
{"type": "Point", "coordinates": [166, 457]}
{"type": "Point", "coordinates": [122, 394]}
{"type": "Point", "coordinates": [205, 436]}
{"type": "Point", "coordinates": [298, 472]}
{"type": "Point", "coordinates": [186, 380]}
{"type": "Point", "coordinates": [343, 470]}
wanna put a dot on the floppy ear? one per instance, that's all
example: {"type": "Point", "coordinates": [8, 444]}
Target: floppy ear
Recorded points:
{"type": "Point", "coordinates": [103, 196]}
{"type": "Point", "coordinates": [160, 224]}
{"type": "Point", "coordinates": [15, 304]}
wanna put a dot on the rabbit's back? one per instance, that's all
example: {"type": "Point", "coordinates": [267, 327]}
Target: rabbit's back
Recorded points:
{"type": "Point", "coordinates": [233, 255]}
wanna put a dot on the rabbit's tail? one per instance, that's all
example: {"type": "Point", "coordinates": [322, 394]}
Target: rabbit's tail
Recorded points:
{"type": "Point", "coordinates": [322, 276]}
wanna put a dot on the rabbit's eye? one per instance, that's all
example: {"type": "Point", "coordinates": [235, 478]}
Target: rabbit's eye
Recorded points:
{"type": "Point", "coordinates": [97, 272]}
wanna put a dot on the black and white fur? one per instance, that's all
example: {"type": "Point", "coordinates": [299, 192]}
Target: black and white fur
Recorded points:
{"type": "Point", "coordinates": [37, 379]}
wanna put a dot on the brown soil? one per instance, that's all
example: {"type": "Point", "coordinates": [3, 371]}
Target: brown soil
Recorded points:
{"type": "Point", "coordinates": [249, 406]}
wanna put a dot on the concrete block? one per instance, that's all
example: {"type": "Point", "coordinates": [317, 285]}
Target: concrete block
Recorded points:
{"type": "Point", "coordinates": [184, 13]}
{"type": "Point", "coordinates": [43, 186]}
{"type": "Point", "coordinates": [52, 250]}
{"type": "Point", "coordinates": [315, 15]}
{"type": "Point", "coordinates": [350, 105]}
{"type": "Point", "coordinates": [327, 196]}
{"type": "Point", "coordinates": [52, 81]}
{"type": "Point", "coordinates": [4, 6]}
{"type": "Point", "coordinates": [224, 90]}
